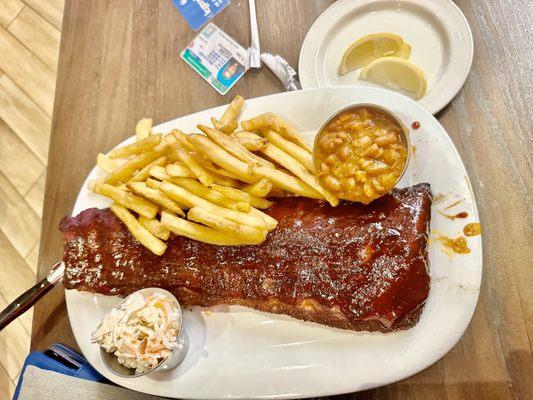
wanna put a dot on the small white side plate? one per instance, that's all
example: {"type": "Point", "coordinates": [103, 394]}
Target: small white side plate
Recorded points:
{"type": "Point", "coordinates": [437, 31]}
{"type": "Point", "coordinates": [236, 352]}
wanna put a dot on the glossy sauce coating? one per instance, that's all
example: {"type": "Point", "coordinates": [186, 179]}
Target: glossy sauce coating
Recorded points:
{"type": "Point", "coordinates": [351, 266]}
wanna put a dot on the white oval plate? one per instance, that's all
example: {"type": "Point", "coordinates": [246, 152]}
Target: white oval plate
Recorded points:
{"type": "Point", "coordinates": [437, 31]}
{"type": "Point", "coordinates": [240, 353]}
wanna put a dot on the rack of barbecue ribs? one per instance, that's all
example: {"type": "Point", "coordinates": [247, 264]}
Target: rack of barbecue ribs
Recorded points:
{"type": "Point", "coordinates": [352, 266]}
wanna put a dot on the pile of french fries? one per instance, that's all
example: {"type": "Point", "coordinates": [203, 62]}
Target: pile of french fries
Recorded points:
{"type": "Point", "coordinates": [209, 187]}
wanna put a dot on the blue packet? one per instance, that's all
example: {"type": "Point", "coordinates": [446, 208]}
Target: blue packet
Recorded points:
{"type": "Point", "coordinates": [198, 12]}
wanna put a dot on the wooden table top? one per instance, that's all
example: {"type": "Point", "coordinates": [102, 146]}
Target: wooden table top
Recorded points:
{"type": "Point", "coordinates": [119, 62]}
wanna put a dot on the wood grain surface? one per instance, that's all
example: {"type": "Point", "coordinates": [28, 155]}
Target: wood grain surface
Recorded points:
{"type": "Point", "coordinates": [29, 48]}
{"type": "Point", "coordinates": [119, 62]}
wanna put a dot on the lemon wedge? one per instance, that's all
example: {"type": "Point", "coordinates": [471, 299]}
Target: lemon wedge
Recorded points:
{"type": "Point", "coordinates": [398, 74]}
{"type": "Point", "coordinates": [370, 47]}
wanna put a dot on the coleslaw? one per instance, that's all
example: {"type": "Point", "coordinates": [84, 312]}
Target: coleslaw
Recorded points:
{"type": "Point", "coordinates": [141, 331]}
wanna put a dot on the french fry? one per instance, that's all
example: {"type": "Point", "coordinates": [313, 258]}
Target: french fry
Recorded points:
{"type": "Point", "coordinates": [191, 200]}
{"type": "Point", "coordinates": [251, 235]}
{"type": "Point", "coordinates": [304, 157]}
{"type": "Point", "coordinates": [143, 128]}
{"type": "Point", "coordinates": [249, 140]}
{"type": "Point", "coordinates": [197, 170]}
{"type": "Point", "coordinates": [156, 197]}
{"type": "Point", "coordinates": [270, 222]}
{"type": "Point", "coordinates": [248, 135]}
{"type": "Point", "coordinates": [213, 168]}
{"type": "Point", "coordinates": [144, 173]}
{"type": "Point", "coordinates": [178, 170]}
{"type": "Point", "coordinates": [159, 173]}
{"type": "Point", "coordinates": [199, 232]}
{"type": "Point", "coordinates": [181, 138]}
{"type": "Point", "coordinates": [261, 188]}
{"type": "Point", "coordinates": [166, 142]}
{"type": "Point", "coordinates": [227, 128]}
{"type": "Point", "coordinates": [138, 204]}
{"type": "Point", "coordinates": [206, 193]}
{"type": "Point", "coordinates": [169, 212]}
{"type": "Point", "coordinates": [242, 206]}
{"type": "Point", "coordinates": [154, 184]}
{"type": "Point", "coordinates": [125, 171]}
{"type": "Point", "coordinates": [233, 147]}
{"type": "Point", "coordinates": [138, 147]}
{"type": "Point", "coordinates": [224, 180]}
{"type": "Point", "coordinates": [289, 183]}
{"type": "Point", "coordinates": [219, 156]}
{"type": "Point", "coordinates": [138, 231]}
{"type": "Point", "coordinates": [228, 122]}
{"type": "Point", "coordinates": [298, 169]}
{"type": "Point", "coordinates": [91, 185]}
{"type": "Point", "coordinates": [249, 143]}
{"type": "Point", "coordinates": [104, 162]}
{"type": "Point", "coordinates": [169, 139]}
{"type": "Point", "coordinates": [239, 195]}
{"type": "Point", "coordinates": [155, 227]}
{"type": "Point", "coordinates": [233, 110]}
{"type": "Point", "coordinates": [274, 121]}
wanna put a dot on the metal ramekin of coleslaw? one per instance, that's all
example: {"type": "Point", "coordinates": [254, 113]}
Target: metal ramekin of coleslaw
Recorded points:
{"type": "Point", "coordinates": [143, 333]}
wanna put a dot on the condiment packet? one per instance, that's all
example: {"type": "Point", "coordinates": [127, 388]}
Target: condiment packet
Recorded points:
{"type": "Point", "coordinates": [216, 57]}
{"type": "Point", "coordinates": [198, 12]}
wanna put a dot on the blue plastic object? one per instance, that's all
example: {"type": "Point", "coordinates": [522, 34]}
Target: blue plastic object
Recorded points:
{"type": "Point", "coordinates": [63, 360]}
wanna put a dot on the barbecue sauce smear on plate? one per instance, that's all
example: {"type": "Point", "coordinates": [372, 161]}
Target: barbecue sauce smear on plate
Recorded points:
{"type": "Point", "coordinates": [472, 229]}
{"type": "Point", "coordinates": [462, 214]}
{"type": "Point", "coordinates": [457, 245]}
